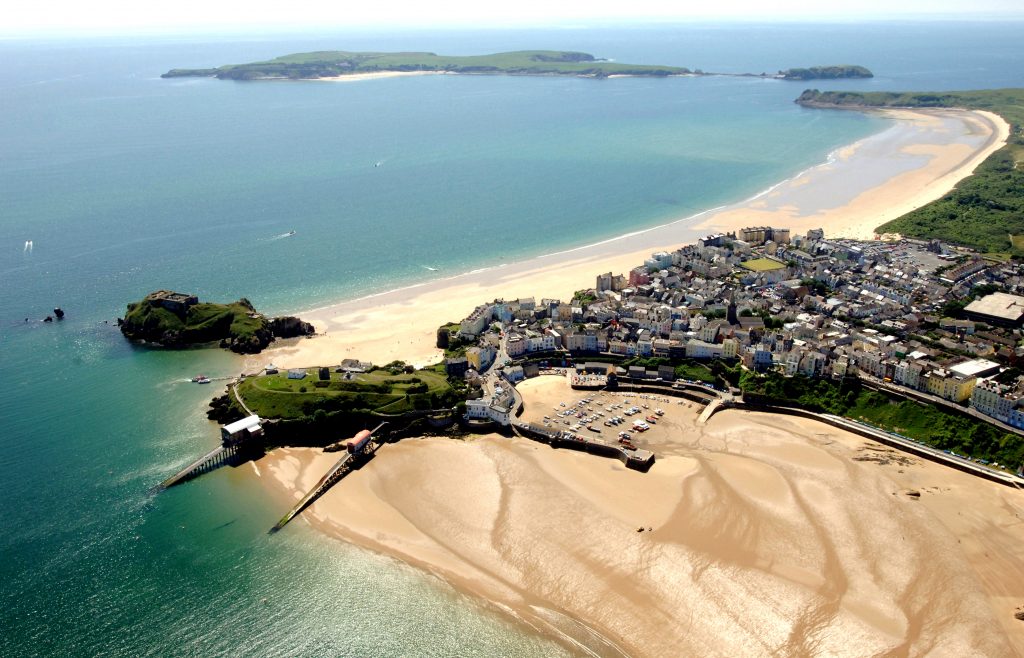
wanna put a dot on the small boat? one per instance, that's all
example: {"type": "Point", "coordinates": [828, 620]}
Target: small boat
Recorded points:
{"type": "Point", "coordinates": [201, 379]}
{"type": "Point", "coordinates": [379, 163]}
{"type": "Point", "coordinates": [290, 234]}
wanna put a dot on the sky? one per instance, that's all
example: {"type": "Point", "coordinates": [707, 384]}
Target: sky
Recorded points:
{"type": "Point", "coordinates": [125, 16]}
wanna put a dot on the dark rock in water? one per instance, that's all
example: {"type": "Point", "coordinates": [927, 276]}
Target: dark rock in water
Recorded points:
{"type": "Point", "coordinates": [48, 318]}
{"type": "Point", "coordinates": [59, 313]}
{"type": "Point", "coordinates": [290, 327]}
{"type": "Point", "coordinates": [224, 410]}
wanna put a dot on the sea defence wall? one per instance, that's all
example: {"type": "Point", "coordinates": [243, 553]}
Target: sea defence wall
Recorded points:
{"type": "Point", "coordinates": [755, 403]}
{"type": "Point", "coordinates": [640, 460]}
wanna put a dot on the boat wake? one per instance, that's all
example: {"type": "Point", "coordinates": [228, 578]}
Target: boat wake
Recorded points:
{"type": "Point", "coordinates": [282, 236]}
{"type": "Point", "coordinates": [428, 268]}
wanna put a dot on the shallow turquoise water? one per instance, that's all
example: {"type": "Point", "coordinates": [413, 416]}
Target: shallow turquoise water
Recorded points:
{"type": "Point", "coordinates": [126, 183]}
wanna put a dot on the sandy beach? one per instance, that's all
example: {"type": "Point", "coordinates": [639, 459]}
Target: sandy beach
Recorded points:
{"type": "Point", "coordinates": [762, 535]}
{"type": "Point", "coordinates": [914, 162]}
{"type": "Point", "coordinates": [919, 158]}
{"type": "Point", "coordinates": [379, 75]}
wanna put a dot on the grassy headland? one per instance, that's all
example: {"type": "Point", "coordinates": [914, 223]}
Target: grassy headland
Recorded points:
{"type": "Point", "coordinates": [388, 390]}
{"type": "Point", "coordinates": [315, 412]}
{"type": "Point", "coordinates": [986, 210]}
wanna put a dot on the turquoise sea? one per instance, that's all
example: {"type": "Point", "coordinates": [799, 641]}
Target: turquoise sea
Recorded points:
{"type": "Point", "coordinates": [124, 183]}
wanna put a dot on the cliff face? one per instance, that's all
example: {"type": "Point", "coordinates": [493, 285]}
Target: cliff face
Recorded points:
{"type": "Point", "coordinates": [236, 326]}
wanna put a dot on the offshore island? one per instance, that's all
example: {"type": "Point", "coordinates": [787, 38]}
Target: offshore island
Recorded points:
{"type": "Point", "coordinates": [338, 64]}
{"type": "Point", "coordinates": [787, 363]}
{"type": "Point", "coordinates": [178, 320]}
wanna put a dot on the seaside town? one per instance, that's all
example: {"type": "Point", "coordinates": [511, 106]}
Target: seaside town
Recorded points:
{"type": "Point", "coordinates": [723, 323]}
{"type": "Point", "coordinates": [918, 319]}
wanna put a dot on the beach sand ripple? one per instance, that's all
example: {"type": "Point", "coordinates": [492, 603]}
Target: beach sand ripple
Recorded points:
{"type": "Point", "coordinates": [780, 543]}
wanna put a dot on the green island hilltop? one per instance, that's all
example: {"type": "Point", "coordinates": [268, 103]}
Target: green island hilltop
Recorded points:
{"type": "Point", "coordinates": [178, 320]}
{"type": "Point", "coordinates": [334, 63]}
{"type": "Point", "coordinates": [826, 73]}
{"type": "Point", "coordinates": [984, 211]}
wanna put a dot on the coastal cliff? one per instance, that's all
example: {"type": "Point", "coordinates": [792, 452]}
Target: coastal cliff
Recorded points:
{"type": "Point", "coordinates": [177, 320]}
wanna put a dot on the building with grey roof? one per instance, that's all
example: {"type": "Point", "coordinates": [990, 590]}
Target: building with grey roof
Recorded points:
{"type": "Point", "coordinates": [999, 308]}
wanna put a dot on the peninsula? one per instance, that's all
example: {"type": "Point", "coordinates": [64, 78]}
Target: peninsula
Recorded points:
{"type": "Point", "coordinates": [178, 320]}
{"type": "Point", "coordinates": [984, 211]}
{"type": "Point", "coordinates": [340, 64]}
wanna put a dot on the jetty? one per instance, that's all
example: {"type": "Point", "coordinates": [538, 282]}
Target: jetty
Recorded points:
{"type": "Point", "coordinates": [358, 449]}
{"type": "Point", "coordinates": [238, 439]}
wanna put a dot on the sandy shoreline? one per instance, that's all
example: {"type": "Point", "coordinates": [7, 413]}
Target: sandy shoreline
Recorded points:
{"type": "Point", "coordinates": [759, 539]}
{"type": "Point", "coordinates": [769, 534]}
{"type": "Point", "coordinates": [379, 75]}
{"type": "Point", "coordinates": [919, 158]}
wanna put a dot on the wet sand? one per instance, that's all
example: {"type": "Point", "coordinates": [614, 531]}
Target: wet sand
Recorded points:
{"type": "Point", "coordinates": [768, 534]}
{"type": "Point", "coordinates": [919, 158]}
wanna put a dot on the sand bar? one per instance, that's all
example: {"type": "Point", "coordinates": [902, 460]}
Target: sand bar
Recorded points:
{"type": "Point", "coordinates": [919, 158]}
{"type": "Point", "coordinates": [377, 75]}
{"type": "Point", "coordinates": [769, 535]}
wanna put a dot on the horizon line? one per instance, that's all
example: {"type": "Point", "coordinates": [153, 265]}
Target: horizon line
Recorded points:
{"type": "Point", "coordinates": [149, 30]}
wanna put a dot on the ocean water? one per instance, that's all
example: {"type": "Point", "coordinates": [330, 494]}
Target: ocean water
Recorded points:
{"type": "Point", "coordinates": [125, 183]}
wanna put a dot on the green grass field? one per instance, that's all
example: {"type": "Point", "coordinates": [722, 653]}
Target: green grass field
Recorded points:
{"type": "Point", "coordinates": [276, 396]}
{"type": "Point", "coordinates": [762, 265]}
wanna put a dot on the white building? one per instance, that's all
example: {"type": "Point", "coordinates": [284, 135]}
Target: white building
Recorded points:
{"type": "Point", "coordinates": [699, 349]}
{"type": "Point", "coordinates": [994, 399]}
{"type": "Point", "coordinates": [498, 407]}
{"type": "Point", "coordinates": [241, 430]}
